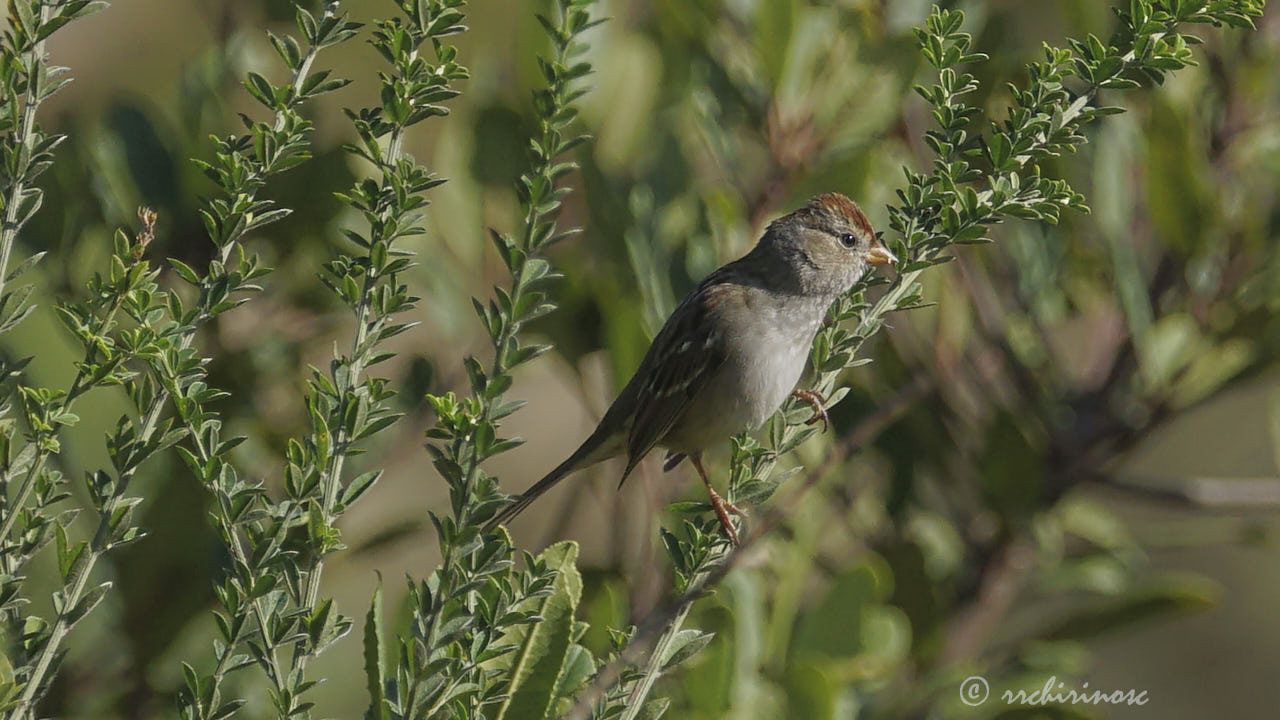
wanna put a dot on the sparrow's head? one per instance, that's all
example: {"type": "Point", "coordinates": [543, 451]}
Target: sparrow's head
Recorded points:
{"type": "Point", "coordinates": [825, 246]}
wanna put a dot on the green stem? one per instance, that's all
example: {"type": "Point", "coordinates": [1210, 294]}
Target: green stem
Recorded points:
{"type": "Point", "coordinates": [331, 475]}
{"type": "Point", "coordinates": [9, 234]}
{"type": "Point", "coordinates": [255, 607]}
{"type": "Point", "coordinates": [868, 325]}
{"type": "Point", "coordinates": [653, 666]}
{"type": "Point", "coordinates": [98, 548]}
{"type": "Point", "coordinates": [79, 386]}
{"type": "Point", "coordinates": [15, 506]}
{"type": "Point", "coordinates": [26, 127]}
{"type": "Point", "coordinates": [237, 549]}
{"type": "Point", "coordinates": [151, 416]}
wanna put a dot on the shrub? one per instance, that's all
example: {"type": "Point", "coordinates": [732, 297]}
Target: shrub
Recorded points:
{"type": "Point", "coordinates": [495, 631]}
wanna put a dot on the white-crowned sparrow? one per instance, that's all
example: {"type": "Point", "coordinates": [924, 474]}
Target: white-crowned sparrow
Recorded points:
{"type": "Point", "coordinates": [734, 348]}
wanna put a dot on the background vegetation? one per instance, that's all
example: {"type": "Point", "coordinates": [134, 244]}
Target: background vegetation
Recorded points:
{"type": "Point", "coordinates": [1066, 466]}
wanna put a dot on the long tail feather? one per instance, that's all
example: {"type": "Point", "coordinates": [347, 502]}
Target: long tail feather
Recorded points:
{"type": "Point", "coordinates": [583, 457]}
{"type": "Point", "coordinates": [526, 499]}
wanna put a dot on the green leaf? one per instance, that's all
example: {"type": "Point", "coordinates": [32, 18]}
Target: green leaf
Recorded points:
{"type": "Point", "coordinates": [810, 693]}
{"type": "Point", "coordinates": [579, 666]}
{"type": "Point", "coordinates": [1172, 594]}
{"type": "Point", "coordinates": [68, 554]}
{"type": "Point", "coordinates": [374, 664]}
{"type": "Point", "coordinates": [1212, 369]}
{"type": "Point", "coordinates": [685, 645]}
{"type": "Point", "coordinates": [1167, 348]}
{"type": "Point", "coordinates": [261, 90]}
{"type": "Point", "coordinates": [834, 628]}
{"type": "Point", "coordinates": [287, 48]}
{"type": "Point", "coordinates": [87, 603]}
{"type": "Point", "coordinates": [1092, 521]}
{"type": "Point", "coordinates": [537, 664]}
{"type": "Point", "coordinates": [654, 709]}
{"type": "Point", "coordinates": [1099, 573]}
{"type": "Point", "coordinates": [359, 486]}
{"type": "Point", "coordinates": [185, 271]}
{"type": "Point", "coordinates": [22, 267]}
{"type": "Point", "coordinates": [774, 24]}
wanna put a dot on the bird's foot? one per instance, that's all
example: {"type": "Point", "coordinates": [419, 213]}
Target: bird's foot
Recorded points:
{"type": "Point", "coordinates": [719, 504]}
{"type": "Point", "coordinates": [817, 402]}
{"type": "Point", "coordinates": [723, 508]}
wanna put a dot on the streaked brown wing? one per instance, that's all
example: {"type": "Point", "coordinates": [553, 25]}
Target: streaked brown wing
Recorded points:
{"type": "Point", "coordinates": [686, 352]}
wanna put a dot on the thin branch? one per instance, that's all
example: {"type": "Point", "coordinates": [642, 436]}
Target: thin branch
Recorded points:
{"type": "Point", "coordinates": [663, 622]}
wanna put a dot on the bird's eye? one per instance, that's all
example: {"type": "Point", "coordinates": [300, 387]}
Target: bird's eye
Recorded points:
{"type": "Point", "coordinates": [848, 240]}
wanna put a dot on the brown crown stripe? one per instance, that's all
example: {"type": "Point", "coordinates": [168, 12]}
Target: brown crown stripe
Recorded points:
{"type": "Point", "coordinates": [833, 210]}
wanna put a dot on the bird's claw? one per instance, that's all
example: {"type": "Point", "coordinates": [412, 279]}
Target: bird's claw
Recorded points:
{"type": "Point", "coordinates": [817, 402]}
{"type": "Point", "coordinates": [723, 508]}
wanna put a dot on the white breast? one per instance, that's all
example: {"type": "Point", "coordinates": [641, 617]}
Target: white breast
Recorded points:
{"type": "Point", "coordinates": [764, 361]}
{"type": "Point", "coordinates": [769, 369]}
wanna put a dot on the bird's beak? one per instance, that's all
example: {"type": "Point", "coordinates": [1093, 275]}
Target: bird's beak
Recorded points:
{"type": "Point", "coordinates": [880, 255]}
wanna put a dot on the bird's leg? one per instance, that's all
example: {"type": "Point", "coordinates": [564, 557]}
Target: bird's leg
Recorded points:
{"type": "Point", "coordinates": [719, 504]}
{"type": "Point", "coordinates": [816, 401]}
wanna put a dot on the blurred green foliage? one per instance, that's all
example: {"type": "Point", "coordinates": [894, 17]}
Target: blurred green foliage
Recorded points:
{"type": "Point", "coordinates": [991, 522]}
